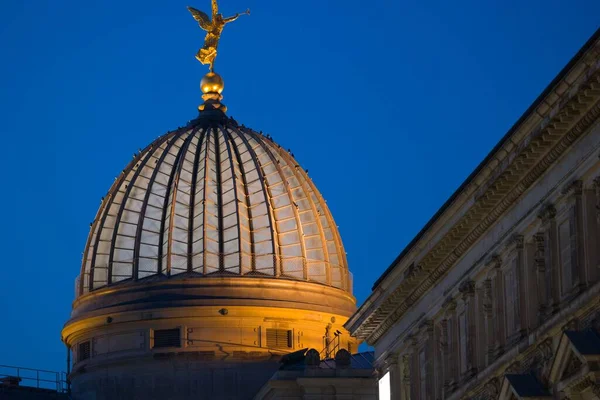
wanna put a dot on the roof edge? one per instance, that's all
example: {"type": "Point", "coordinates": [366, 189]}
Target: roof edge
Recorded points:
{"type": "Point", "coordinates": [536, 103]}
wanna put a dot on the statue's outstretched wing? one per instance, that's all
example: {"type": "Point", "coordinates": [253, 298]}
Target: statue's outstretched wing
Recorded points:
{"type": "Point", "coordinates": [202, 18]}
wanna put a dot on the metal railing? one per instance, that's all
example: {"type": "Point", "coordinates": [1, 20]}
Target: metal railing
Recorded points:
{"type": "Point", "coordinates": [11, 376]}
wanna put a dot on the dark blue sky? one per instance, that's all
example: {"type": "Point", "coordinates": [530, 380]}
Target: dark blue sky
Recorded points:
{"type": "Point", "coordinates": [390, 104]}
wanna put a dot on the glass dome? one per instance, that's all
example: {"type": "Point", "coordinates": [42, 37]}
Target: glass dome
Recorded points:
{"type": "Point", "coordinates": [213, 199]}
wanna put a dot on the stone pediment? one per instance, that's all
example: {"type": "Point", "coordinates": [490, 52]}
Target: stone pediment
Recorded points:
{"type": "Point", "coordinates": [522, 386]}
{"type": "Point", "coordinates": [576, 366]}
{"type": "Point", "coordinates": [576, 349]}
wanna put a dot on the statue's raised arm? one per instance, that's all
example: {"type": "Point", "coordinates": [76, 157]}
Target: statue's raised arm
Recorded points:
{"type": "Point", "coordinates": [236, 16]}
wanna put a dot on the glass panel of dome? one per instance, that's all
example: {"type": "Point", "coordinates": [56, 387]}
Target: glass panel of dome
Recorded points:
{"type": "Point", "coordinates": [293, 182]}
{"type": "Point", "coordinates": [147, 267]}
{"type": "Point", "coordinates": [148, 251]}
{"type": "Point", "coordinates": [212, 262]}
{"type": "Point", "coordinates": [150, 237]}
{"type": "Point", "coordinates": [197, 262]}
{"type": "Point", "coordinates": [281, 201]}
{"type": "Point", "coordinates": [230, 234]}
{"type": "Point", "coordinates": [265, 247]}
{"type": "Point", "coordinates": [298, 193]}
{"type": "Point", "coordinates": [212, 221]}
{"type": "Point", "coordinates": [262, 234]}
{"type": "Point", "coordinates": [178, 264]}
{"type": "Point", "coordinates": [231, 263]}
{"type": "Point", "coordinates": [307, 216]}
{"type": "Point", "coordinates": [230, 220]}
{"type": "Point", "coordinates": [286, 225]}
{"type": "Point", "coordinates": [179, 247]}
{"type": "Point", "coordinates": [198, 244]}
{"type": "Point", "coordinates": [315, 254]}
{"type": "Point", "coordinates": [231, 246]}
{"type": "Point", "coordinates": [333, 259]}
{"type": "Point", "coordinates": [317, 271]}
{"type": "Point", "coordinates": [122, 254]}
{"type": "Point", "coordinates": [303, 204]}
{"type": "Point", "coordinates": [289, 238]}
{"type": "Point", "coordinates": [265, 264]}
{"type": "Point", "coordinates": [292, 267]}
{"type": "Point", "coordinates": [310, 229]}
{"type": "Point", "coordinates": [284, 212]}
{"type": "Point", "coordinates": [259, 220]}
{"type": "Point", "coordinates": [246, 263]}
{"type": "Point", "coordinates": [127, 229]}
{"type": "Point", "coordinates": [103, 247]}
{"type": "Point", "coordinates": [212, 246]}
{"type": "Point", "coordinates": [336, 276]}
{"type": "Point", "coordinates": [245, 246]}
{"type": "Point", "coordinates": [121, 271]}
{"type": "Point", "coordinates": [291, 251]}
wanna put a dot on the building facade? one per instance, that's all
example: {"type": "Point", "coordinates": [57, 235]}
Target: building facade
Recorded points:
{"type": "Point", "coordinates": [498, 297]}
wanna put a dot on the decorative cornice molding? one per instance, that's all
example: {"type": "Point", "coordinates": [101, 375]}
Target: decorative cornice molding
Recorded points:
{"type": "Point", "coordinates": [544, 146]}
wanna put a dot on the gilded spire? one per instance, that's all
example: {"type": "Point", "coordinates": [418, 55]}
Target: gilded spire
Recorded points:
{"type": "Point", "coordinates": [212, 84]}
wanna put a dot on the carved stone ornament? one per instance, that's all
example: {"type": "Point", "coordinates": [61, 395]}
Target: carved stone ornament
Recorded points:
{"type": "Point", "coordinates": [406, 368]}
{"type": "Point", "coordinates": [495, 261]}
{"type": "Point", "coordinates": [545, 350]}
{"type": "Point", "coordinates": [575, 188]}
{"type": "Point", "coordinates": [514, 368]}
{"type": "Point", "coordinates": [467, 287]}
{"type": "Point", "coordinates": [547, 213]}
{"type": "Point", "coordinates": [492, 388]}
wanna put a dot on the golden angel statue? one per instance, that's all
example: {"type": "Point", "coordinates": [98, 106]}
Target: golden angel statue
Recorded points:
{"type": "Point", "coordinates": [214, 28]}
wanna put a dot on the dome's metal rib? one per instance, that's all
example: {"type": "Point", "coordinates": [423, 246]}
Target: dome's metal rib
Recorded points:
{"type": "Point", "coordinates": [174, 182]}
{"type": "Point", "coordinates": [171, 189]}
{"type": "Point", "coordinates": [206, 145]}
{"type": "Point", "coordinates": [247, 203]}
{"type": "Point", "coordinates": [120, 213]}
{"type": "Point", "coordinates": [342, 262]}
{"type": "Point", "coordinates": [221, 267]}
{"type": "Point", "coordinates": [294, 208]}
{"type": "Point", "coordinates": [140, 224]}
{"type": "Point", "coordinates": [268, 202]}
{"type": "Point", "coordinates": [236, 198]}
{"type": "Point", "coordinates": [193, 201]}
{"type": "Point", "coordinates": [94, 231]}
{"type": "Point", "coordinates": [113, 193]}
{"type": "Point", "coordinates": [302, 181]}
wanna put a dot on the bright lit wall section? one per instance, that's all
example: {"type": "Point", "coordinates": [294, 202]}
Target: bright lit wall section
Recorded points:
{"type": "Point", "coordinates": [384, 387]}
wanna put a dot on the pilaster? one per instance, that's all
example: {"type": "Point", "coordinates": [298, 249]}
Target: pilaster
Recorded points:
{"type": "Point", "coordinates": [467, 291]}
{"type": "Point", "coordinates": [547, 216]}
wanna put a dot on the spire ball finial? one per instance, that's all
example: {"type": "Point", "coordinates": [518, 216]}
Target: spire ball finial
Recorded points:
{"type": "Point", "coordinates": [212, 86]}
{"type": "Point", "coordinates": [212, 83]}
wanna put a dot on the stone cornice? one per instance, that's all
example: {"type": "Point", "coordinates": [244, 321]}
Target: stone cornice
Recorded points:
{"type": "Point", "coordinates": [533, 156]}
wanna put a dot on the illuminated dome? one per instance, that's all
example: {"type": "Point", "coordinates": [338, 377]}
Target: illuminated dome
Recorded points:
{"type": "Point", "coordinates": [213, 199]}
{"type": "Point", "coordinates": [213, 254]}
